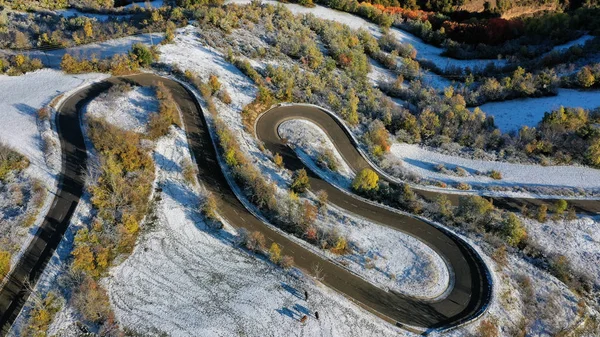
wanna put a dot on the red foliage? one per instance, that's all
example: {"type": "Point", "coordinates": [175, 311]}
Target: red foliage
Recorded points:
{"type": "Point", "coordinates": [491, 31]}
{"type": "Point", "coordinates": [406, 13]}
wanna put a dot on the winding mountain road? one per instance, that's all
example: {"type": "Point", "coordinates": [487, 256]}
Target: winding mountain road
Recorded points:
{"type": "Point", "coordinates": [470, 289]}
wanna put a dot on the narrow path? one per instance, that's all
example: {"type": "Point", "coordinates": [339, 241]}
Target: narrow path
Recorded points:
{"type": "Point", "coordinates": [467, 298]}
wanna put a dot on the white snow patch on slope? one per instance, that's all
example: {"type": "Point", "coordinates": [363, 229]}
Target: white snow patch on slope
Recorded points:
{"type": "Point", "coordinates": [513, 114]}
{"type": "Point", "coordinates": [578, 240]}
{"type": "Point", "coordinates": [129, 110]}
{"type": "Point", "coordinates": [310, 139]}
{"type": "Point", "coordinates": [20, 99]}
{"type": "Point", "coordinates": [423, 162]}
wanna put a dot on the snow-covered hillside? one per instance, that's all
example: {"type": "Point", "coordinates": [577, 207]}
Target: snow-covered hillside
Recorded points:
{"type": "Point", "coordinates": [424, 163]}
{"type": "Point", "coordinates": [513, 114]}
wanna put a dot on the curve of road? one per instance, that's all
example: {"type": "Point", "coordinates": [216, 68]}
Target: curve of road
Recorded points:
{"type": "Point", "coordinates": [466, 299]}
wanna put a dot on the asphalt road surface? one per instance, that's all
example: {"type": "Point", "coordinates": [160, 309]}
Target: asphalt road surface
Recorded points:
{"type": "Point", "coordinates": [466, 299]}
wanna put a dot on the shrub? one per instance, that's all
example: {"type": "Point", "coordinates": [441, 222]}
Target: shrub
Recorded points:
{"type": "Point", "coordinates": [91, 300]}
{"type": "Point", "coordinates": [42, 315]}
{"type": "Point", "coordinates": [4, 263]}
{"type": "Point", "coordinates": [224, 96]}
{"type": "Point", "coordinates": [300, 181]}
{"type": "Point", "coordinates": [322, 200]}
{"type": "Point", "coordinates": [168, 113]}
{"type": "Point", "coordinates": [542, 213]}
{"type": "Point", "coordinates": [585, 77]}
{"type": "Point", "coordinates": [366, 180]}
{"type": "Point", "coordinates": [278, 160]}
{"type": "Point", "coordinates": [142, 54]}
{"type": "Point", "coordinates": [488, 328]}
{"type": "Point", "coordinates": [328, 160]}
{"type": "Point", "coordinates": [275, 253]}
{"type": "Point", "coordinates": [209, 208]}
{"type": "Point", "coordinates": [189, 171]}
{"type": "Point", "coordinates": [513, 230]}
{"type": "Point", "coordinates": [286, 262]}
{"type": "Point", "coordinates": [473, 208]}
{"type": "Point", "coordinates": [43, 113]}
{"type": "Point", "coordinates": [560, 206]}
{"type": "Point", "coordinates": [10, 160]}
{"type": "Point", "coordinates": [463, 186]}
{"type": "Point", "coordinates": [341, 246]}
{"type": "Point", "coordinates": [214, 83]}
{"type": "Point", "coordinates": [495, 174]}
{"type": "Point", "coordinates": [255, 242]}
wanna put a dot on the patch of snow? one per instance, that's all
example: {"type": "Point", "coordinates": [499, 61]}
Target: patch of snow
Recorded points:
{"type": "Point", "coordinates": [20, 99]}
{"type": "Point", "coordinates": [578, 240]}
{"type": "Point", "coordinates": [311, 140]}
{"type": "Point", "coordinates": [577, 42]}
{"type": "Point", "coordinates": [129, 110]}
{"type": "Point", "coordinates": [146, 4]}
{"type": "Point", "coordinates": [73, 12]}
{"type": "Point", "coordinates": [513, 114]}
{"type": "Point", "coordinates": [423, 162]}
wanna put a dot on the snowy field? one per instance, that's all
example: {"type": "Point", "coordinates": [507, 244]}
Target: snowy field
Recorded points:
{"type": "Point", "coordinates": [130, 111]}
{"type": "Point", "coordinates": [578, 240]}
{"type": "Point", "coordinates": [188, 280]}
{"type": "Point", "coordinates": [423, 162]}
{"type": "Point", "coordinates": [512, 114]}
{"type": "Point", "coordinates": [20, 99]}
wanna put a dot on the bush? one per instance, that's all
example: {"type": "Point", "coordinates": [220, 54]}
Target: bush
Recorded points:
{"type": "Point", "coordinates": [42, 315]}
{"type": "Point", "coordinates": [168, 113]}
{"type": "Point", "coordinates": [560, 206]}
{"type": "Point", "coordinates": [4, 263]}
{"type": "Point", "coordinates": [341, 246]}
{"type": "Point", "coordinates": [255, 242]}
{"type": "Point", "coordinates": [209, 208]}
{"type": "Point", "coordinates": [463, 186]}
{"type": "Point", "coordinates": [286, 262]}
{"type": "Point", "coordinates": [488, 328]}
{"type": "Point", "coordinates": [142, 54]}
{"type": "Point", "coordinates": [224, 96]}
{"type": "Point", "coordinates": [10, 161]}
{"type": "Point", "coordinates": [275, 253]}
{"type": "Point", "coordinates": [278, 160]}
{"type": "Point", "coordinates": [365, 181]}
{"type": "Point", "coordinates": [91, 300]}
{"type": "Point", "coordinates": [495, 174]}
{"type": "Point", "coordinates": [300, 181]}
{"type": "Point", "coordinates": [214, 83]}
{"type": "Point", "coordinates": [327, 160]}
{"type": "Point", "coordinates": [189, 171]}
{"type": "Point", "coordinates": [542, 213]}
{"type": "Point", "coordinates": [513, 230]}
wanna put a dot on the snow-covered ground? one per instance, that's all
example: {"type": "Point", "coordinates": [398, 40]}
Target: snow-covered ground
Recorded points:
{"type": "Point", "coordinates": [423, 162]}
{"type": "Point", "coordinates": [130, 110]}
{"type": "Point", "coordinates": [188, 280]}
{"type": "Point", "coordinates": [309, 140]}
{"type": "Point", "coordinates": [578, 240]}
{"type": "Point", "coordinates": [512, 114]}
{"type": "Point", "coordinates": [20, 99]}
{"type": "Point", "coordinates": [577, 42]}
